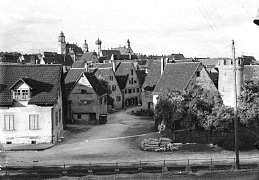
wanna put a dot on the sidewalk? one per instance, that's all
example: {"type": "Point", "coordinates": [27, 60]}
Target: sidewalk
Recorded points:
{"type": "Point", "coordinates": [26, 147]}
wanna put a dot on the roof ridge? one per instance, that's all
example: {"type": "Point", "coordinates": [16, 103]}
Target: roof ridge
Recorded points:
{"type": "Point", "coordinates": [192, 75]}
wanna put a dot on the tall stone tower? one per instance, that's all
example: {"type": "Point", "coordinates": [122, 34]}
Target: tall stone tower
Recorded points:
{"type": "Point", "coordinates": [226, 79]}
{"type": "Point", "coordinates": [61, 43]}
{"type": "Point", "coordinates": [98, 42]}
{"type": "Point", "coordinates": [85, 47]}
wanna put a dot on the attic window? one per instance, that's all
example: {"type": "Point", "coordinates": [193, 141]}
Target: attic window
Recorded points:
{"type": "Point", "coordinates": [21, 94]}
{"type": "Point", "coordinates": [198, 73]}
{"type": "Point", "coordinates": [83, 91]}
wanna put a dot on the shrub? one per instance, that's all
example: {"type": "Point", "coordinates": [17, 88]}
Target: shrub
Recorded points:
{"type": "Point", "coordinates": [246, 142]}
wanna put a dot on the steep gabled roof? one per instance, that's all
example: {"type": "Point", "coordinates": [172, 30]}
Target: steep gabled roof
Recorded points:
{"type": "Point", "coordinates": [176, 76]}
{"type": "Point", "coordinates": [153, 75]}
{"type": "Point", "coordinates": [45, 80]}
{"type": "Point", "coordinates": [87, 56]}
{"type": "Point", "coordinates": [97, 86]}
{"type": "Point", "coordinates": [103, 73]}
{"type": "Point", "coordinates": [71, 78]}
{"type": "Point", "coordinates": [26, 80]}
{"type": "Point", "coordinates": [122, 80]}
{"type": "Point", "coordinates": [141, 76]}
{"type": "Point", "coordinates": [123, 68]}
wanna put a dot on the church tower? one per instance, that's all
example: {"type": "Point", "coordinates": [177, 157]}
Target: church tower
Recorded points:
{"type": "Point", "coordinates": [98, 42]}
{"type": "Point", "coordinates": [226, 79]}
{"type": "Point", "coordinates": [85, 47]}
{"type": "Point", "coordinates": [61, 43]}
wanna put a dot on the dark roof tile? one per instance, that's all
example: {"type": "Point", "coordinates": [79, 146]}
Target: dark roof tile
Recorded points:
{"type": "Point", "coordinates": [45, 79]}
{"type": "Point", "coordinates": [176, 76]}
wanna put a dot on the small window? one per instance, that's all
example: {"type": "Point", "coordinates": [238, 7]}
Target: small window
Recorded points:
{"type": "Point", "coordinates": [137, 89]}
{"type": "Point", "coordinates": [33, 121]}
{"type": "Point", "coordinates": [17, 94]}
{"type": "Point", "coordinates": [198, 73]}
{"type": "Point", "coordinates": [113, 87]}
{"type": "Point", "coordinates": [126, 91]}
{"type": "Point", "coordinates": [111, 78]}
{"type": "Point", "coordinates": [25, 94]}
{"type": "Point", "coordinates": [9, 122]}
{"type": "Point", "coordinates": [21, 94]}
{"type": "Point", "coordinates": [129, 91]}
{"type": "Point", "coordinates": [83, 91]}
{"type": "Point", "coordinates": [131, 80]}
{"type": "Point", "coordinates": [79, 116]}
{"type": "Point", "coordinates": [118, 98]}
{"type": "Point", "coordinates": [133, 90]}
{"type": "Point", "coordinates": [132, 72]}
{"type": "Point", "coordinates": [135, 81]}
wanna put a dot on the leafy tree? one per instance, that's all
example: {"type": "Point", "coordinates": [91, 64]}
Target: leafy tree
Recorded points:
{"type": "Point", "coordinates": [191, 108]}
{"type": "Point", "coordinates": [168, 109]}
{"type": "Point", "coordinates": [105, 84]}
{"type": "Point", "coordinates": [248, 108]}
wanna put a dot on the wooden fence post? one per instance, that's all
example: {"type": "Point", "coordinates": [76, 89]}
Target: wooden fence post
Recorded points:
{"type": "Point", "coordinates": [164, 168]}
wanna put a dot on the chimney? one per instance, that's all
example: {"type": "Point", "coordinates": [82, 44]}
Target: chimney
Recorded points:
{"type": "Point", "coordinates": [162, 66]}
{"type": "Point", "coordinates": [32, 59]}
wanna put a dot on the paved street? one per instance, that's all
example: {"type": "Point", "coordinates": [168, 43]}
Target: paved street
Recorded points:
{"type": "Point", "coordinates": [75, 150]}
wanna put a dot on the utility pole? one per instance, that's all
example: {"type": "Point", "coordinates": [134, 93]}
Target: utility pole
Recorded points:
{"type": "Point", "coordinates": [235, 107]}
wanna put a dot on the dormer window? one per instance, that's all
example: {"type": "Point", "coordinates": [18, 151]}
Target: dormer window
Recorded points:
{"type": "Point", "coordinates": [21, 89]}
{"type": "Point", "coordinates": [21, 94]}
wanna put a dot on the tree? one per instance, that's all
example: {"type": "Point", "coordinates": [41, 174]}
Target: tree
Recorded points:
{"type": "Point", "coordinates": [249, 105]}
{"type": "Point", "coordinates": [105, 85]}
{"type": "Point", "coordinates": [192, 108]}
{"type": "Point", "coordinates": [168, 109]}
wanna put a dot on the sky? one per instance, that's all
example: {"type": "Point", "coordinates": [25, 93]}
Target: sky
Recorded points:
{"type": "Point", "coordinates": [196, 28]}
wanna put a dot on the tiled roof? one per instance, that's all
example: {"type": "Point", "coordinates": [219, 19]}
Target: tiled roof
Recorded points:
{"type": "Point", "coordinates": [170, 57]}
{"type": "Point", "coordinates": [71, 78]}
{"type": "Point", "coordinates": [87, 56]}
{"type": "Point", "coordinates": [31, 58]}
{"type": "Point", "coordinates": [78, 64]}
{"type": "Point", "coordinates": [209, 62]}
{"type": "Point", "coordinates": [9, 57]}
{"type": "Point", "coordinates": [124, 50]}
{"type": "Point", "coordinates": [46, 80]}
{"type": "Point", "coordinates": [110, 52]}
{"type": "Point", "coordinates": [54, 58]}
{"type": "Point", "coordinates": [123, 68]}
{"type": "Point", "coordinates": [103, 73]}
{"type": "Point", "coordinates": [141, 76]}
{"type": "Point", "coordinates": [97, 86]}
{"type": "Point", "coordinates": [74, 47]}
{"type": "Point", "coordinates": [153, 75]}
{"type": "Point", "coordinates": [176, 76]}
{"type": "Point", "coordinates": [103, 65]}
{"type": "Point", "coordinates": [251, 72]}
{"type": "Point", "coordinates": [122, 80]}
{"type": "Point", "coordinates": [176, 57]}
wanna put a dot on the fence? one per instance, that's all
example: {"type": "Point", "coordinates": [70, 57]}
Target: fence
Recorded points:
{"type": "Point", "coordinates": [180, 166]}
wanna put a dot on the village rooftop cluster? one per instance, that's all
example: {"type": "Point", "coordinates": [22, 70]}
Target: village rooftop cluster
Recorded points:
{"type": "Point", "coordinates": [41, 93]}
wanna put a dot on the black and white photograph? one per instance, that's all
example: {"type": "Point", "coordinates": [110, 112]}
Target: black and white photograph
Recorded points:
{"type": "Point", "coordinates": [140, 89]}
